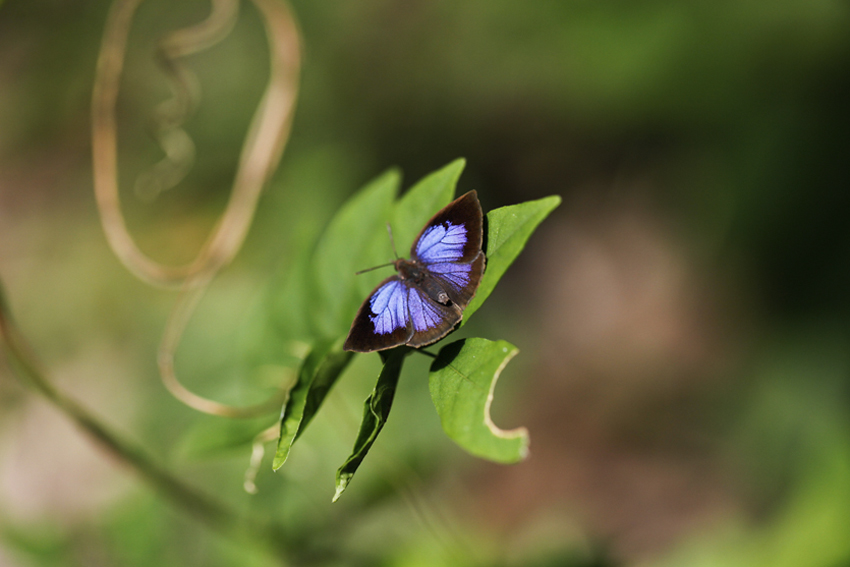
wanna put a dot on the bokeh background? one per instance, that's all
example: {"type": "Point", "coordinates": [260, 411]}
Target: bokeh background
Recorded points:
{"type": "Point", "coordinates": [683, 317]}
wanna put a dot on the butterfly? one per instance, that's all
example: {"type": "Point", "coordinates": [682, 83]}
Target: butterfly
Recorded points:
{"type": "Point", "coordinates": [426, 299]}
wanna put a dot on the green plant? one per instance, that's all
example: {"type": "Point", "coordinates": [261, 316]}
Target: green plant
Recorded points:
{"type": "Point", "coordinates": [463, 373]}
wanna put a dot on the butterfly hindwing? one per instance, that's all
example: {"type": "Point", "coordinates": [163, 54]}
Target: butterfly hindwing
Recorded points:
{"type": "Point", "coordinates": [459, 280]}
{"type": "Point", "coordinates": [431, 320]}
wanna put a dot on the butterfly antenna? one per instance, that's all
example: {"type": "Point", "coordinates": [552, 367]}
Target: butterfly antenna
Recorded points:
{"type": "Point", "coordinates": [392, 240]}
{"type": "Point", "coordinates": [373, 268]}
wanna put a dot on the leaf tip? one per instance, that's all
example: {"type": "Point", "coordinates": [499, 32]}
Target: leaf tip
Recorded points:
{"type": "Point", "coordinates": [459, 163]}
{"type": "Point", "coordinates": [452, 171]}
{"type": "Point", "coordinates": [552, 202]}
{"type": "Point", "coordinates": [341, 485]}
{"type": "Point", "coordinates": [392, 174]}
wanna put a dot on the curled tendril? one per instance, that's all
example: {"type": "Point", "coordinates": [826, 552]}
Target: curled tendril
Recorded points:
{"type": "Point", "coordinates": [169, 116]}
{"type": "Point", "coordinates": [267, 136]}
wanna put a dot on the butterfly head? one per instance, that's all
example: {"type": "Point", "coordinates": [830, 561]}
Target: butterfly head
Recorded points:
{"type": "Point", "coordinates": [409, 270]}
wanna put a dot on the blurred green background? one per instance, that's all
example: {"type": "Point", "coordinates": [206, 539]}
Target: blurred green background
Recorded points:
{"type": "Point", "coordinates": [683, 317]}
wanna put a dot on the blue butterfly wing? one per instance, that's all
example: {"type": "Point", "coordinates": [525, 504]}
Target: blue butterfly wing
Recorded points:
{"type": "Point", "coordinates": [459, 280]}
{"type": "Point", "coordinates": [450, 248]}
{"type": "Point", "coordinates": [431, 320]}
{"type": "Point", "coordinates": [455, 234]}
{"type": "Point", "coordinates": [388, 307]}
{"type": "Point", "coordinates": [382, 321]}
{"type": "Point", "coordinates": [441, 243]}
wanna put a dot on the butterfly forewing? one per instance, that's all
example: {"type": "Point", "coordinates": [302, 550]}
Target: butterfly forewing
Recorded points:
{"type": "Point", "coordinates": [454, 234]}
{"type": "Point", "coordinates": [384, 326]}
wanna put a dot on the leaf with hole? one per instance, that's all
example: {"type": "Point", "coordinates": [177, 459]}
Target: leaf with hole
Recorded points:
{"type": "Point", "coordinates": [462, 380]}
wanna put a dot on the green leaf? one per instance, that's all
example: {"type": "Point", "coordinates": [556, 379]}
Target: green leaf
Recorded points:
{"type": "Point", "coordinates": [318, 374]}
{"type": "Point", "coordinates": [348, 245]}
{"type": "Point", "coordinates": [462, 380]}
{"type": "Point", "coordinates": [422, 201]}
{"type": "Point", "coordinates": [507, 231]}
{"type": "Point", "coordinates": [288, 306]}
{"type": "Point", "coordinates": [376, 409]}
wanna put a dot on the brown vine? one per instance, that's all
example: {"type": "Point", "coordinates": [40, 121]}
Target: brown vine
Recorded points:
{"type": "Point", "coordinates": [261, 152]}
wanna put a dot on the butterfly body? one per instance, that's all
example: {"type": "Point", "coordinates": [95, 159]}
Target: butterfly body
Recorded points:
{"type": "Point", "coordinates": [426, 299]}
{"type": "Point", "coordinates": [415, 273]}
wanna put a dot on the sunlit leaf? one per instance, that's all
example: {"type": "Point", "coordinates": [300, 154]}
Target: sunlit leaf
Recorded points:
{"type": "Point", "coordinates": [506, 231]}
{"type": "Point", "coordinates": [376, 409]}
{"type": "Point", "coordinates": [318, 374]}
{"type": "Point", "coordinates": [462, 380]}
